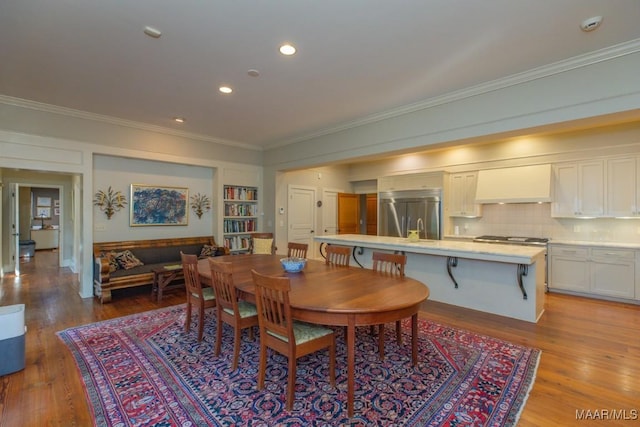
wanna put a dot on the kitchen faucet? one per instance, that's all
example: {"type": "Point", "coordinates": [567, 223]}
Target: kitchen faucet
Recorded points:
{"type": "Point", "coordinates": [418, 223]}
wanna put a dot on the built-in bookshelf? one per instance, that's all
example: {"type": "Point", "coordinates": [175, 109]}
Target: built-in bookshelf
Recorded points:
{"type": "Point", "coordinates": [240, 216]}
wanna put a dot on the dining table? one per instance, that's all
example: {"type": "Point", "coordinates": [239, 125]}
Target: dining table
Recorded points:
{"type": "Point", "coordinates": [334, 295]}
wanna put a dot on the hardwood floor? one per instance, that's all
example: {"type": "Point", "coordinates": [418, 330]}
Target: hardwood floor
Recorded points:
{"type": "Point", "coordinates": [590, 351]}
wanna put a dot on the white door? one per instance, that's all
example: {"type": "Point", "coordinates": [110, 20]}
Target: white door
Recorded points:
{"type": "Point", "coordinates": [302, 217]}
{"type": "Point", "coordinates": [330, 212]}
{"type": "Point", "coordinates": [14, 216]}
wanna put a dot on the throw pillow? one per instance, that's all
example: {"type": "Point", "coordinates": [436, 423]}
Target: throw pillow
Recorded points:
{"type": "Point", "coordinates": [111, 258]}
{"type": "Point", "coordinates": [208, 250]}
{"type": "Point", "coordinates": [128, 260]}
{"type": "Point", "coordinates": [262, 246]}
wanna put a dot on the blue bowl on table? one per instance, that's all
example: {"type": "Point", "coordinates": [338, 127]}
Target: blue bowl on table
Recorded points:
{"type": "Point", "coordinates": [293, 265]}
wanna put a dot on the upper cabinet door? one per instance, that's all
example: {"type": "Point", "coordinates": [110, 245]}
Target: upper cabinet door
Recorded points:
{"type": "Point", "coordinates": [591, 188]}
{"type": "Point", "coordinates": [462, 195]}
{"type": "Point", "coordinates": [578, 189]}
{"type": "Point", "coordinates": [622, 187]}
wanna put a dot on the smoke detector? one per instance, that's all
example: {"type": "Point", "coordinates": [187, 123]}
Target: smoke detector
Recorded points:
{"type": "Point", "coordinates": [591, 23]}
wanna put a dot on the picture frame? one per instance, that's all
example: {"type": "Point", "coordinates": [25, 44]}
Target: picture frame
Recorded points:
{"type": "Point", "coordinates": [43, 201]}
{"type": "Point", "coordinates": [43, 212]}
{"type": "Point", "coordinates": [56, 203]}
{"type": "Point", "coordinates": [152, 205]}
{"type": "Point", "coordinates": [56, 211]}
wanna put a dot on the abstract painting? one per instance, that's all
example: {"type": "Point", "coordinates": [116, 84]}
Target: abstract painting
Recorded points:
{"type": "Point", "coordinates": [153, 205]}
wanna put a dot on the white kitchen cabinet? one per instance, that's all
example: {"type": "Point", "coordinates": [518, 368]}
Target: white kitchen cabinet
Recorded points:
{"type": "Point", "coordinates": [579, 189]}
{"type": "Point", "coordinates": [613, 272]}
{"type": "Point", "coordinates": [568, 268]}
{"type": "Point", "coordinates": [462, 195]}
{"type": "Point", "coordinates": [623, 187]}
{"type": "Point", "coordinates": [595, 271]}
{"type": "Point", "coordinates": [410, 181]}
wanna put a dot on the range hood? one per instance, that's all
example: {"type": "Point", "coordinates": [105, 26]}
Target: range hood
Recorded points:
{"type": "Point", "coordinates": [524, 184]}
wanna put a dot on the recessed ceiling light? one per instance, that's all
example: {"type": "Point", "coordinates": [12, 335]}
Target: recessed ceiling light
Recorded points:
{"type": "Point", "coordinates": [253, 72]}
{"type": "Point", "coordinates": [287, 49]}
{"type": "Point", "coordinates": [152, 32]}
{"type": "Point", "coordinates": [225, 89]}
{"type": "Point", "coordinates": [179, 119]}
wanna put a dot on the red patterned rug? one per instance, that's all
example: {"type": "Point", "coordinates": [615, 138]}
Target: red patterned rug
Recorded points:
{"type": "Point", "coordinates": [142, 370]}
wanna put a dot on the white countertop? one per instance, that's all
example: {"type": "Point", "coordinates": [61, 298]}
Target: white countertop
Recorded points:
{"type": "Point", "coordinates": [595, 243]}
{"type": "Point", "coordinates": [512, 254]}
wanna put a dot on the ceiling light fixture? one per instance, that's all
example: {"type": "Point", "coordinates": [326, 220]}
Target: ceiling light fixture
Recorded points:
{"type": "Point", "coordinates": [287, 49]}
{"type": "Point", "coordinates": [253, 72]}
{"type": "Point", "coordinates": [179, 119]}
{"type": "Point", "coordinates": [152, 32]}
{"type": "Point", "coordinates": [225, 89]}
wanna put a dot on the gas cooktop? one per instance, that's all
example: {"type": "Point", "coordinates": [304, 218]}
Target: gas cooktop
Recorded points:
{"type": "Point", "coordinates": [513, 240]}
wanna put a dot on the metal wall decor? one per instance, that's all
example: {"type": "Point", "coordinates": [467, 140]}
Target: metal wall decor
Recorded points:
{"type": "Point", "coordinates": [200, 204]}
{"type": "Point", "coordinates": [109, 201]}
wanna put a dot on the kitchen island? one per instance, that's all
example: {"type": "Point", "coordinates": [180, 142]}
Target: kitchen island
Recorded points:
{"type": "Point", "coordinates": [500, 279]}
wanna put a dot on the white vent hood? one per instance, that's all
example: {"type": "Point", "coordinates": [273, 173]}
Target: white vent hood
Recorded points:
{"type": "Point", "coordinates": [524, 184]}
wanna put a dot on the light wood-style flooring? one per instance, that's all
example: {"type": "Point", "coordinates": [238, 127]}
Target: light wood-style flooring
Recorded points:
{"type": "Point", "coordinates": [590, 351]}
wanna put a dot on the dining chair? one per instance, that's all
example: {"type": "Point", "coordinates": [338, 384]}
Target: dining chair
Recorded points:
{"type": "Point", "coordinates": [237, 313]}
{"type": "Point", "coordinates": [281, 333]}
{"type": "Point", "coordinates": [262, 243]}
{"type": "Point", "coordinates": [393, 265]}
{"type": "Point", "coordinates": [196, 295]}
{"type": "Point", "coordinates": [297, 250]}
{"type": "Point", "coordinates": [338, 255]}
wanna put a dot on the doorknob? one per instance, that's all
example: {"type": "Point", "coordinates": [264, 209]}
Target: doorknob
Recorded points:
{"type": "Point", "coordinates": [311, 231]}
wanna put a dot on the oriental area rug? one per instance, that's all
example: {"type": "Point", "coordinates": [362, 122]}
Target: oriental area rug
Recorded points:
{"type": "Point", "coordinates": [144, 370]}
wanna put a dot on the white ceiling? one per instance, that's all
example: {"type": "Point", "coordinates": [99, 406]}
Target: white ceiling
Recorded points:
{"type": "Point", "coordinates": [355, 58]}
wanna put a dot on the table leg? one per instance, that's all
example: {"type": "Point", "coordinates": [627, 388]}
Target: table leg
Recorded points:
{"type": "Point", "coordinates": [414, 339]}
{"type": "Point", "coordinates": [351, 361]}
{"type": "Point", "coordinates": [154, 287]}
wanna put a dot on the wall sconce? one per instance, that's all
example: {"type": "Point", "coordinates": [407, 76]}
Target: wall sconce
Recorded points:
{"type": "Point", "coordinates": [200, 204]}
{"type": "Point", "coordinates": [110, 201]}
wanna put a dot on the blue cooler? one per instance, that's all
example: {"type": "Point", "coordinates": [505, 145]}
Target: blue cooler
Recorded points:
{"type": "Point", "coordinates": [12, 332]}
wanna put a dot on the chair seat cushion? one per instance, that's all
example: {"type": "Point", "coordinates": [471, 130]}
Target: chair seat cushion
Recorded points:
{"type": "Point", "coordinates": [245, 308]}
{"type": "Point", "coordinates": [305, 332]}
{"type": "Point", "coordinates": [207, 294]}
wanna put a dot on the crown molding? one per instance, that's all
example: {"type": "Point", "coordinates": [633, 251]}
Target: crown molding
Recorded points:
{"type": "Point", "coordinates": [612, 52]}
{"type": "Point", "coordinates": [70, 112]}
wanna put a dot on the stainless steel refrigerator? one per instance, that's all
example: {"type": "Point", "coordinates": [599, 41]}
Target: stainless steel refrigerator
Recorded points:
{"type": "Point", "coordinates": [400, 211]}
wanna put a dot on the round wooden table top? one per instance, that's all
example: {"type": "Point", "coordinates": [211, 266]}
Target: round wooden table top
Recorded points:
{"type": "Point", "coordinates": [329, 289]}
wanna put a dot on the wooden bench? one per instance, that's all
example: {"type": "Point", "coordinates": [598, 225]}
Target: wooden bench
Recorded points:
{"type": "Point", "coordinates": [154, 254]}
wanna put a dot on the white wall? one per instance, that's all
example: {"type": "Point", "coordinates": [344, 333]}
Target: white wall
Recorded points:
{"type": "Point", "coordinates": [119, 173]}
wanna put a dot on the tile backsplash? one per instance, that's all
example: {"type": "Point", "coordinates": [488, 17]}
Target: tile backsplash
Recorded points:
{"type": "Point", "coordinates": [534, 220]}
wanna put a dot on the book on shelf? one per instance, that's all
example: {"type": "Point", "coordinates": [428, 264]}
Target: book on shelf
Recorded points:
{"type": "Point", "coordinates": [240, 193]}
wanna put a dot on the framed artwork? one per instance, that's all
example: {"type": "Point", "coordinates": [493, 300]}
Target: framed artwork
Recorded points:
{"type": "Point", "coordinates": [43, 201]}
{"type": "Point", "coordinates": [43, 212]}
{"type": "Point", "coordinates": [56, 203]}
{"type": "Point", "coordinates": [153, 205]}
{"type": "Point", "coordinates": [56, 211]}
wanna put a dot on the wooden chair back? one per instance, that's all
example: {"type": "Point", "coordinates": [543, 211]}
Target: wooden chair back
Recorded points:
{"type": "Point", "coordinates": [191, 275]}
{"type": "Point", "coordinates": [274, 311]}
{"type": "Point", "coordinates": [386, 263]}
{"type": "Point", "coordinates": [265, 236]}
{"type": "Point", "coordinates": [338, 255]}
{"type": "Point", "coordinates": [223, 287]}
{"type": "Point", "coordinates": [297, 250]}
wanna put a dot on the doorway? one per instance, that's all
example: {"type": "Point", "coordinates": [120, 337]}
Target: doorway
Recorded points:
{"type": "Point", "coordinates": [19, 216]}
{"type": "Point", "coordinates": [39, 213]}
